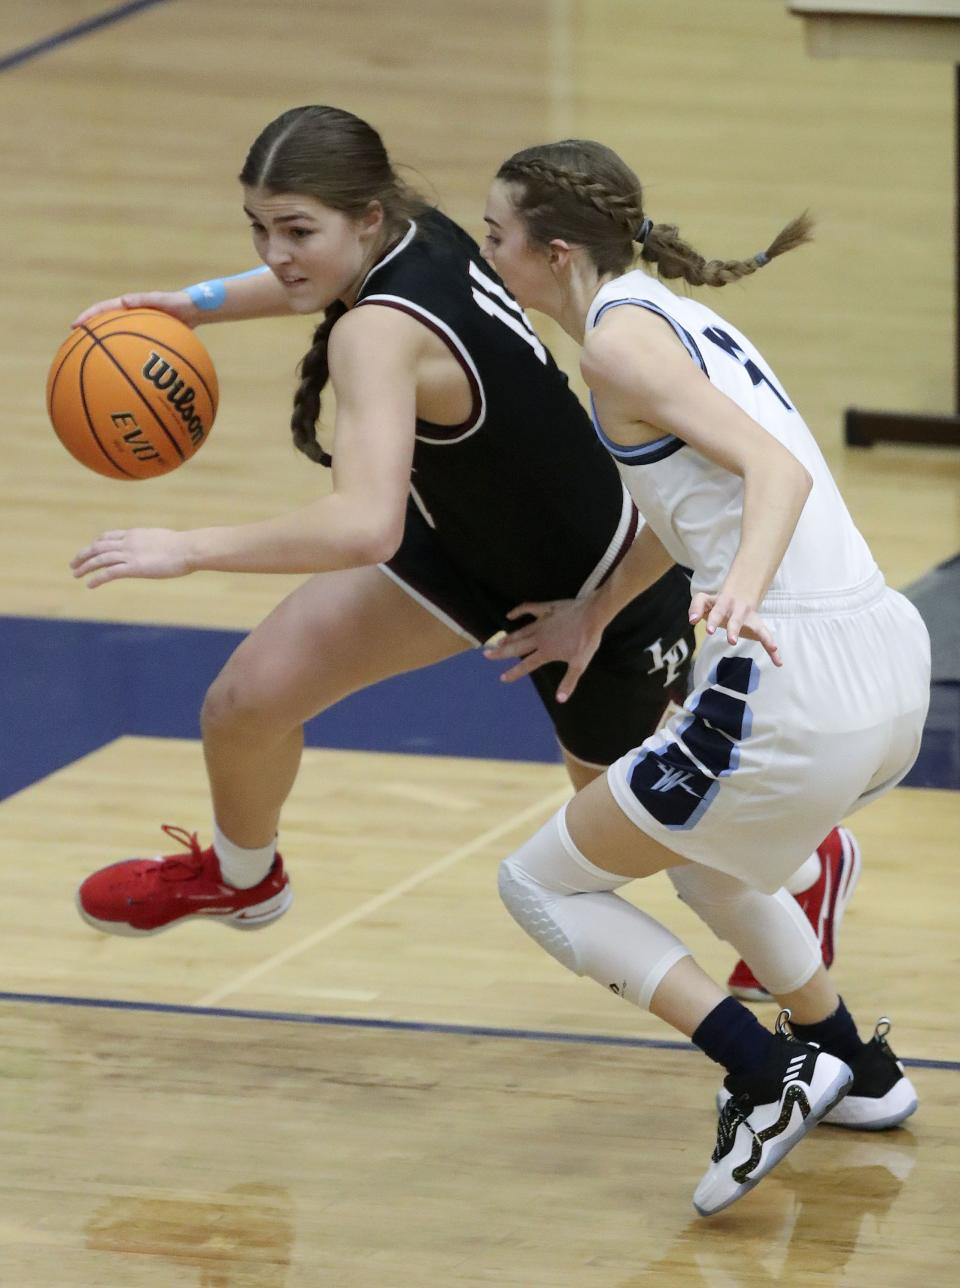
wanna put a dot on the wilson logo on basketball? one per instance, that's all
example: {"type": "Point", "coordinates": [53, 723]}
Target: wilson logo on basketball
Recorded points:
{"type": "Point", "coordinates": [119, 407]}
{"type": "Point", "coordinates": [167, 379]}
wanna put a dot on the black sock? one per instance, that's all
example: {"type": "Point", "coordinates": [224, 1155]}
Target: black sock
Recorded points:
{"type": "Point", "coordinates": [734, 1037]}
{"type": "Point", "coordinates": [837, 1034]}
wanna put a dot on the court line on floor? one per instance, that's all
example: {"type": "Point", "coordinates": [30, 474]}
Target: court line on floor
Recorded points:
{"type": "Point", "coordinates": [346, 1021]}
{"type": "Point", "coordinates": [390, 1026]}
{"type": "Point", "coordinates": [38, 47]}
{"type": "Point", "coordinates": [540, 808]}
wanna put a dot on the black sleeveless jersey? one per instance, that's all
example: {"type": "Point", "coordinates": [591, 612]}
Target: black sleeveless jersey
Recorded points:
{"type": "Point", "coordinates": [522, 496]}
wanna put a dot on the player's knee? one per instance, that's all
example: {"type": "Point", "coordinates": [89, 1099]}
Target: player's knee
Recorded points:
{"type": "Point", "coordinates": [575, 915]}
{"type": "Point", "coordinates": [539, 882]}
{"type": "Point", "coordinates": [535, 909]}
{"type": "Point", "coordinates": [234, 707]}
{"type": "Point", "coordinates": [769, 931]}
{"type": "Point", "coordinates": [705, 890]}
{"type": "Point", "coordinates": [721, 902]}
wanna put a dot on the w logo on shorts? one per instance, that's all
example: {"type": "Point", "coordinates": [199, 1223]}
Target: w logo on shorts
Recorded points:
{"type": "Point", "coordinates": [671, 787]}
{"type": "Point", "coordinates": [673, 778]}
{"type": "Point", "coordinates": [676, 781]}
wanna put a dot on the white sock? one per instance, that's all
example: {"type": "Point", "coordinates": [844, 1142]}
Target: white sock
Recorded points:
{"type": "Point", "coordinates": [805, 875]}
{"type": "Point", "coordinates": [242, 868]}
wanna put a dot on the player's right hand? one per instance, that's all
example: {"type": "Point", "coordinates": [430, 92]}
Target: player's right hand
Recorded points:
{"type": "Point", "coordinates": [177, 303]}
{"type": "Point", "coordinates": [736, 617]}
{"type": "Point", "coordinates": [133, 552]}
{"type": "Point", "coordinates": [562, 630]}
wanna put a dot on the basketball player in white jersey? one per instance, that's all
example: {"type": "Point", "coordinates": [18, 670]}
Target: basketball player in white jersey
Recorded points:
{"type": "Point", "coordinates": [810, 690]}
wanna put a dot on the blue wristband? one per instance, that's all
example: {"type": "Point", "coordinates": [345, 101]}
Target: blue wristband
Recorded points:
{"type": "Point", "coordinates": [211, 295]}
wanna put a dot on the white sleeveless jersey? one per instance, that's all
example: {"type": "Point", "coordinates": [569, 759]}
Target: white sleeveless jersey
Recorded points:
{"type": "Point", "coordinates": [693, 505]}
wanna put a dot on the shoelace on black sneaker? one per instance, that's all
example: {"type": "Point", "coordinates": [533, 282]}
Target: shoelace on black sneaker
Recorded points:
{"type": "Point", "coordinates": [880, 1031]}
{"type": "Point", "coordinates": [781, 1028]}
{"type": "Point", "coordinates": [733, 1113]}
{"type": "Point", "coordinates": [876, 1068]}
{"type": "Point", "coordinates": [739, 1106]}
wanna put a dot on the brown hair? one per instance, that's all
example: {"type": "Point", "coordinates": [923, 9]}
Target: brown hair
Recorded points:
{"type": "Point", "coordinates": [583, 192]}
{"type": "Point", "coordinates": [332, 155]}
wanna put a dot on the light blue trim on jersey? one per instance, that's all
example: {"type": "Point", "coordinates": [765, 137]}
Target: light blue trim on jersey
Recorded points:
{"type": "Point", "coordinates": [644, 453]}
{"type": "Point", "coordinates": [659, 448]}
{"type": "Point", "coordinates": [682, 333]}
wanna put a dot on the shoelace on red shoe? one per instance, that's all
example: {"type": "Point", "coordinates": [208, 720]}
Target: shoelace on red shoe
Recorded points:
{"type": "Point", "coordinates": [181, 867]}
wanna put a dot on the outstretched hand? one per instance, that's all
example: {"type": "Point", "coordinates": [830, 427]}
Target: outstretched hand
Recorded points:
{"type": "Point", "coordinates": [133, 552]}
{"type": "Point", "coordinates": [562, 631]}
{"type": "Point", "coordinates": [739, 617]}
{"type": "Point", "coordinates": [177, 303]}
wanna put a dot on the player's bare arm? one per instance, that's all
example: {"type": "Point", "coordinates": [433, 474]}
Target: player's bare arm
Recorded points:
{"type": "Point", "coordinates": [641, 375]}
{"type": "Point", "coordinates": [359, 523]}
{"type": "Point", "coordinates": [257, 294]}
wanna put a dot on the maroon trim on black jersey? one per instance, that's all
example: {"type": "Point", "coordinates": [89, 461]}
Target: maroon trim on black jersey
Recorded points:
{"type": "Point", "coordinates": [431, 597]}
{"type": "Point", "coordinates": [446, 432]}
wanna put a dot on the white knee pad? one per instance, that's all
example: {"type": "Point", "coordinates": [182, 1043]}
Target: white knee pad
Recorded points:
{"type": "Point", "coordinates": [769, 931]}
{"type": "Point", "coordinates": [568, 906]}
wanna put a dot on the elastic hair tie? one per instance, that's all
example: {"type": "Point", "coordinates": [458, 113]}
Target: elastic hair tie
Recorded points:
{"type": "Point", "coordinates": [643, 231]}
{"type": "Point", "coordinates": [761, 258]}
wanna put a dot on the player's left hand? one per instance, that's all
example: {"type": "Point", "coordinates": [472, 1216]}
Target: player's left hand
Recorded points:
{"type": "Point", "coordinates": [132, 552]}
{"type": "Point", "coordinates": [737, 616]}
{"type": "Point", "coordinates": [562, 631]}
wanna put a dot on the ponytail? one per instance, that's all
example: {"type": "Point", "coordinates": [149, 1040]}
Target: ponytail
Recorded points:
{"type": "Point", "coordinates": [314, 373]}
{"type": "Point", "coordinates": [673, 257]}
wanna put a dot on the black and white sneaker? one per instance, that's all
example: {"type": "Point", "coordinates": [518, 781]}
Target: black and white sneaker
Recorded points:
{"type": "Point", "coordinates": [881, 1095]}
{"type": "Point", "coordinates": [767, 1114]}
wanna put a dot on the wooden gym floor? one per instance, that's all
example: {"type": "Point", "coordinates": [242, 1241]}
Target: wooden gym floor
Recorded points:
{"type": "Point", "coordinates": [393, 1086]}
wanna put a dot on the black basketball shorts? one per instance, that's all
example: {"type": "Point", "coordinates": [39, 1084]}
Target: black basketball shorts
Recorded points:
{"type": "Point", "coordinates": [643, 662]}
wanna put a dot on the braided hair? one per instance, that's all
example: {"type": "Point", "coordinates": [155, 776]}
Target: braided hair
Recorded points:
{"type": "Point", "coordinates": [338, 159]}
{"type": "Point", "coordinates": [583, 192]}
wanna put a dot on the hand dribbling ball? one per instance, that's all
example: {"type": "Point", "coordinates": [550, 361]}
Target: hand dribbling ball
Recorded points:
{"type": "Point", "coordinates": [132, 394]}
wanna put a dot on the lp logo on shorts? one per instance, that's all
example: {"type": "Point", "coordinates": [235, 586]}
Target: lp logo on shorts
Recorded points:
{"type": "Point", "coordinates": [670, 661]}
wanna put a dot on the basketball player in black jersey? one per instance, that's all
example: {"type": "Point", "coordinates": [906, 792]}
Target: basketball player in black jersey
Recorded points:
{"type": "Point", "coordinates": [466, 479]}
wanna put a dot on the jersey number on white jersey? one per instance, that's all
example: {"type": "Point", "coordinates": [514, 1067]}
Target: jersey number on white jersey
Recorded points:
{"type": "Point", "coordinates": [729, 345]}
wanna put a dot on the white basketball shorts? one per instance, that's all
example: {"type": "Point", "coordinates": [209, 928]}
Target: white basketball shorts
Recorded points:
{"type": "Point", "coordinates": [762, 761]}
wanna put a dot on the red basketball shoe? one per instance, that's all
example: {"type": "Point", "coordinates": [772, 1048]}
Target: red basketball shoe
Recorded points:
{"type": "Point", "coordinates": [824, 903]}
{"type": "Point", "coordinates": [145, 896]}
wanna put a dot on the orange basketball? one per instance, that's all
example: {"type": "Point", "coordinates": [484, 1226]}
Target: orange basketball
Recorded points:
{"type": "Point", "coordinates": [132, 393]}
